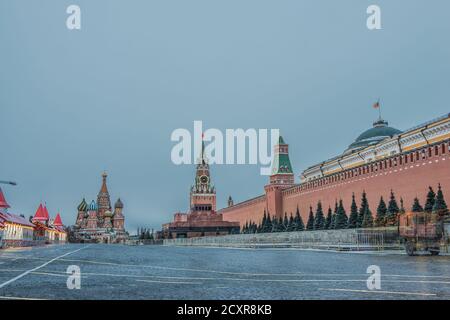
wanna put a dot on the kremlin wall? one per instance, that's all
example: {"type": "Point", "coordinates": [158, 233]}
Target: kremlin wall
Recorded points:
{"type": "Point", "coordinates": [380, 159]}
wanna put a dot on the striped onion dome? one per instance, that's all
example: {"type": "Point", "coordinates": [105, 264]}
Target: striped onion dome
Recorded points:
{"type": "Point", "coordinates": [93, 206]}
{"type": "Point", "coordinates": [83, 206]}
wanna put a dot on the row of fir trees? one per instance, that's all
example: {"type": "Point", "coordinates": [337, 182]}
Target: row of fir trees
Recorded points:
{"type": "Point", "coordinates": [362, 217]}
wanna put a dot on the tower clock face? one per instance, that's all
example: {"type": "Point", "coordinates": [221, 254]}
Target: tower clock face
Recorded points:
{"type": "Point", "coordinates": [204, 179]}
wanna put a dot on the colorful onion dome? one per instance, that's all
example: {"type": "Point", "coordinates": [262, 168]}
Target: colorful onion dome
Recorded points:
{"type": "Point", "coordinates": [83, 206]}
{"type": "Point", "coordinates": [93, 206]}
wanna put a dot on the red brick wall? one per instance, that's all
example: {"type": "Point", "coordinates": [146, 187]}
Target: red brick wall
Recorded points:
{"type": "Point", "coordinates": [252, 210]}
{"type": "Point", "coordinates": [407, 180]}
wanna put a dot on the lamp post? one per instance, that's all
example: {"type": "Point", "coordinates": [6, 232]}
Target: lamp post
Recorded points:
{"type": "Point", "coordinates": [12, 183]}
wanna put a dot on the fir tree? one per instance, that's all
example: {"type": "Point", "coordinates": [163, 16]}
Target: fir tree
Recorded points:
{"type": "Point", "coordinates": [269, 226]}
{"type": "Point", "coordinates": [440, 206]}
{"type": "Point", "coordinates": [245, 227]}
{"type": "Point", "coordinates": [300, 225]}
{"type": "Point", "coordinates": [285, 223]}
{"type": "Point", "coordinates": [250, 227]}
{"type": "Point", "coordinates": [275, 225]}
{"type": "Point", "coordinates": [259, 228]}
{"type": "Point", "coordinates": [263, 225]}
{"type": "Point", "coordinates": [392, 211]}
{"type": "Point", "coordinates": [402, 207]}
{"type": "Point", "coordinates": [280, 225]}
{"type": "Point", "coordinates": [298, 221]}
{"type": "Point", "coordinates": [368, 219]}
{"type": "Point", "coordinates": [310, 223]}
{"type": "Point", "coordinates": [431, 198]}
{"type": "Point", "coordinates": [416, 206]}
{"type": "Point", "coordinates": [341, 217]}
{"type": "Point", "coordinates": [362, 210]}
{"type": "Point", "coordinates": [380, 219]}
{"type": "Point", "coordinates": [333, 217]}
{"type": "Point", "coordinates": [328, 219]}
{"type": "Point", "coordinates": [319, 220]}
{"type": "Point", "coordinates": [291, 224]}
{"type": "Point", "coordinates": [353, 219]}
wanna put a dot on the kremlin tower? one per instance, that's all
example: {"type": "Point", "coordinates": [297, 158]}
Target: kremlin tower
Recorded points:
{"type": "Point", "coordinates": [202, 219]}
{"type": "Point", "coordinates": [282, 177]}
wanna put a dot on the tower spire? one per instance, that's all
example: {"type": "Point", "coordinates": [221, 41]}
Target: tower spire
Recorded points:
{"type": "Point", "coordinates": [281, 165]}
{"type": "Point", "coordinates": [103, 200]}
{"type": "Point", "coordinates": [104, 188]}
{"type": "Point", "coordinates": [203, 149]}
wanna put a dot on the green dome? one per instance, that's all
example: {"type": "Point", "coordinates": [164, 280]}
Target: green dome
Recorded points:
{"type": "Point", "coordinates": [379, 132]}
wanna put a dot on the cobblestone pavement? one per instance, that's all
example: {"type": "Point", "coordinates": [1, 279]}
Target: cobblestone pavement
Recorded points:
{"type": "Point", "coordinates": [163, 272]}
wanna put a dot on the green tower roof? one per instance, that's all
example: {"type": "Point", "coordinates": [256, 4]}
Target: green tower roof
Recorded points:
{"type": "Point", "coordinates": [281, 163]}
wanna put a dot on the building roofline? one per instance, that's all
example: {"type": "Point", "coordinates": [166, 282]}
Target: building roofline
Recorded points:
{"type": "Point", "coordinates": [403, 134]}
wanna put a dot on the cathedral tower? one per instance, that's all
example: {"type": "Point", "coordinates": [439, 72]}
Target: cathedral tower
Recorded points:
{"type": "Point", "coordinates": [103, 200]}
{"type": "Point", "coordinates": [118, 218]}
{"type": "Point", "coordinates": [92, 218]}
{"type": "Point", "coordinates": [82, 213]}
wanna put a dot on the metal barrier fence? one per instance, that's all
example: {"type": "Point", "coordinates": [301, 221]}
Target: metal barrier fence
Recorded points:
{"type": "Point", "coordinates": [342, 240]}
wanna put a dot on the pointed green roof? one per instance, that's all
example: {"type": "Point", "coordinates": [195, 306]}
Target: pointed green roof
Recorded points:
{"type": "Point", "coordinates": [281, 163]}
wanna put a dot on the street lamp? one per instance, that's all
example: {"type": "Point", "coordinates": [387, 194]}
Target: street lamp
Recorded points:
{"type": "Point", "coordinates": [12, 183]}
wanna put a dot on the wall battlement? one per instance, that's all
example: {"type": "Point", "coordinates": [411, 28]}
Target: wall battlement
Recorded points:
{"type": "Point", "coordinates": [408, 174]}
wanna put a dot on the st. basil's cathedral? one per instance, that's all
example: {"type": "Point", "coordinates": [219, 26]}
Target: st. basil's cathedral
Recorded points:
{"type": "Point", "coordinates": [96, 222]}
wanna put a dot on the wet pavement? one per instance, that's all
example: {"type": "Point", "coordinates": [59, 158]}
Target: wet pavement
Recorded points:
{"type": "Point", "coordinates": [165, 272]}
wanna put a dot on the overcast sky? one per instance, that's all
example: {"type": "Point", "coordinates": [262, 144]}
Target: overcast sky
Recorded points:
{"type": "Point", "coordinates": [108, 96]}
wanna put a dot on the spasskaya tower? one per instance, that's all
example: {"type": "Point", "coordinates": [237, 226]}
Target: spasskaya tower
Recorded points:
{"type": "Point", "coordinates": [203, 192]}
